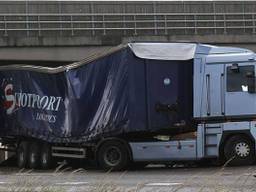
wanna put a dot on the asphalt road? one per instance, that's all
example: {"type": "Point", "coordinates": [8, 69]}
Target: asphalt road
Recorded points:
{"type": "Point", "coordinates": [153, 178]}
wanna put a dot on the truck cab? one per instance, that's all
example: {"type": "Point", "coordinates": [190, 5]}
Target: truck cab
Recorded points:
{"type": "Point", "coordinates": [224, 109]}
{"type": "Point", "coordinates": [224, 85]}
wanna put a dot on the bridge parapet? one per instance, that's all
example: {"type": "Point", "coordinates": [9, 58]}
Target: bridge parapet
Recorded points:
{"type": "Point", "coordinates": [35, 23]}
{"type": "Point", "coordinates": [126, 24]}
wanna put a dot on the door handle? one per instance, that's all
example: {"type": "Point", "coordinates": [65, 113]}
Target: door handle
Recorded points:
{"type": "Point", "coordinates": [208, 98]}
{"type": "Point", "coordinates": [222, 96]}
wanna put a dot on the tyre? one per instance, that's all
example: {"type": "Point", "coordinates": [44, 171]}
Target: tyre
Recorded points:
{"type": "Point", "coordinates": [33, 155]}
{"type": "Point", "coordinates": [22, 155]}
{"type": "Point", "coordinates": [113, 155]}
{"type": "Point", "coordinates": [46, 160]}
{"type": "Point", "coordinates": [239, 150]}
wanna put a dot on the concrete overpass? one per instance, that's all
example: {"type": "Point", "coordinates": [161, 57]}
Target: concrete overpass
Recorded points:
{"type": "Point", "coordinates": [58, 55]}
{"type": "Point", "coordinates": [52, 32]}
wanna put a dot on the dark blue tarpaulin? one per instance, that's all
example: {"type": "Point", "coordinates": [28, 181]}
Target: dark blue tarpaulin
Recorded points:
{"type": "Point", "coordinates": [112, 95]}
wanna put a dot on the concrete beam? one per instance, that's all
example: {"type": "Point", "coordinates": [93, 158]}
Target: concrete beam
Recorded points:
{"type": "Point", "coordinates": [115, 40]}
{"type": "Point", "coordinates": [66, 53]}
{"type": "Point", "coordinates": [55, 54]}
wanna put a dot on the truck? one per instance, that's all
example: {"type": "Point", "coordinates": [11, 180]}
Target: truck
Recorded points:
{"type": "Point", "coordinates": [134, 104]}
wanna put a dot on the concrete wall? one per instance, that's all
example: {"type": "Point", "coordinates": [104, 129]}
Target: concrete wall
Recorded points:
{"type": "Point", "coordinates": [66, 47]}
{"type": "Point", "coordinates": [56, 56]}
{"type": "Point", "coordinates": [244, 30]}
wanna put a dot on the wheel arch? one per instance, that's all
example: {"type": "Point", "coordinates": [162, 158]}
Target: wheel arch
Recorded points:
{"type": "Point", "coordinates": [122, 141]}
{"type": "Point", "coordinates": [226, 135]}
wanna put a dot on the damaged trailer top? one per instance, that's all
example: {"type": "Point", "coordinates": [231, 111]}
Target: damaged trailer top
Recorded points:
{"type": "Point", "coordinates": [138, 87]}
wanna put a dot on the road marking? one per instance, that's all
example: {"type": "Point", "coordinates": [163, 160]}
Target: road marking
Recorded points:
{"type": "Point", "coordinates": [226, 173]}
{"type": "Point", "coordinates": [72, 183]}
{"type": "Point", "coordinates": [163, 184]}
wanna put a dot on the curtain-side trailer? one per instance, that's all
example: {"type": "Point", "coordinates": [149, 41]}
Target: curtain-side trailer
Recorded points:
{"type": "Point", "coordinates": [136, 103]}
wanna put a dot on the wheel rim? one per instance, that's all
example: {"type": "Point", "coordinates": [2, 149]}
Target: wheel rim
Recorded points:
{"type": "Point", "coordinates": [112, 156]}
{"type": "Point", "coordinates": [242, 149]}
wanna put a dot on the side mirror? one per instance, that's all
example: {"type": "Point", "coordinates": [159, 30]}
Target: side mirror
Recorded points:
{"type": "Point", "coordinates": [251, 82]}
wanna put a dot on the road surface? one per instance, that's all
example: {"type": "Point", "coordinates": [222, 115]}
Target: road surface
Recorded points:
{"type": "Point", "coordinates": [152, 178]}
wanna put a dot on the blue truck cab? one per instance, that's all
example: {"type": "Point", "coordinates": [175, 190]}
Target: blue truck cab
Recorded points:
{"type": "Point", "coordinates": [224, 107]}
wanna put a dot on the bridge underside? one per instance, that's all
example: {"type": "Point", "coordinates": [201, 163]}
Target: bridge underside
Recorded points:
{"type": "Point", "coordinates": [57, 32]}
{"type": "Point", "coordinates": [54, 51]}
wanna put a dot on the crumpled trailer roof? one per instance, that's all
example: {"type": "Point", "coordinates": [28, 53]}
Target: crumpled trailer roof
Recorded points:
{"type": "Point", "coordinates": [157, 51]}
{"type": "Point", "coordinates": [123, 90]}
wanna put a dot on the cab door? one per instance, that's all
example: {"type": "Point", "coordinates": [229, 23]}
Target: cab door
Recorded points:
{"type": "Point", "coordinates": [240, 97]}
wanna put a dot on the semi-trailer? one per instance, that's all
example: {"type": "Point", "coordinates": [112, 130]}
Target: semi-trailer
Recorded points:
{"type": "Point", "coordinates": [130, 104]}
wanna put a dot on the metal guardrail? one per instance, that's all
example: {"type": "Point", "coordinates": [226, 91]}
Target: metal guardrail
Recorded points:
{"type": "Point", "coordinates": [132, 23]}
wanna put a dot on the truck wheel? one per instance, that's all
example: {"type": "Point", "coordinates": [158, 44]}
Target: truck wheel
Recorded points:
{"type": "Point", "coordinates": [22, 155]}
{"type": "Point", "coordinates": [240, 149]}
{"type": "Point", "coordinates": [33, 155]}
{"type": "Point", "coordinates": [46, 160]}
{"type": "Point", "coordinates": [113, 155]}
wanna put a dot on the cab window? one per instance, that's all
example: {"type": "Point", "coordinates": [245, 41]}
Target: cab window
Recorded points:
{"type": "Point", "coordinates": [237, 78]}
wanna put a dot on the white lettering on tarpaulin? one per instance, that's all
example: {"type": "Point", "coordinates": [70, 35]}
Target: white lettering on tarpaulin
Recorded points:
{"type": "Point", "coordinates": [46, 117]}
{"type": "Point", "coordinates": [16, 100]}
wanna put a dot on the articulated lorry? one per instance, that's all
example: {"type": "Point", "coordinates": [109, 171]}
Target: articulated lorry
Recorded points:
{"type": "Point", "coordinates": [136, 103]}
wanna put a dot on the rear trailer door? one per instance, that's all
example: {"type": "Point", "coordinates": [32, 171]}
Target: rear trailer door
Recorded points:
{"type": "Point", "coordinates": [168, 92]}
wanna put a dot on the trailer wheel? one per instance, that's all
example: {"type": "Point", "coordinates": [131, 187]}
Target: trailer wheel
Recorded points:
{"type": "Point", "coordinates": [33, 155]}
{"type": "Point", "coordinates": [22, 155]}
{"type": "Point", "coordinates": [239, 150]}
{"type": "Point", "coordinates": [113, 155]}
{"type": "Point", "coordinates": [46, 160]}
